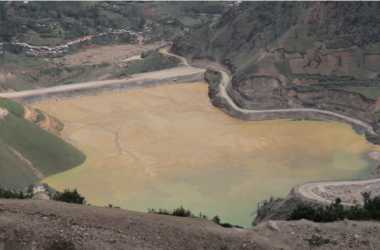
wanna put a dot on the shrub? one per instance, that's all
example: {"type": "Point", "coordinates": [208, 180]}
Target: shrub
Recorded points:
{"type": "Point", "coordinates": [8, 194]}
{"type": "Point", "coordinates": [336, 211]}
{"type": "Point", "coordinates": [69, 197]}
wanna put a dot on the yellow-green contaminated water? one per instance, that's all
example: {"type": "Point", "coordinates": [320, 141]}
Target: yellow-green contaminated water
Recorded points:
{"type": "Point", "coordinates": [167, 146]}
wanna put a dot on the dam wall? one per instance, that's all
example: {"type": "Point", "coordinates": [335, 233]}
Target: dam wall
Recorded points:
{"type": "Point", "coordinates": [51, 96]}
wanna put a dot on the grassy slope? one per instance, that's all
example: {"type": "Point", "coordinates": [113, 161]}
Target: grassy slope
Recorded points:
{"type": "Point", "coordinates": [14, 173]}
{"type": "Point", "coordinates": [47, 152]}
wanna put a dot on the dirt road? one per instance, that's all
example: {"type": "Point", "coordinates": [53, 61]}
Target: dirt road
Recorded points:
{"type": "Point", "coordinates": [307, 189]}
{"type": "Point", "coordinates": [137, 77]}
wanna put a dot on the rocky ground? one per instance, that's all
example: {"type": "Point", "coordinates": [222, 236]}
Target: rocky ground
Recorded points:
{"type": "Point", "coordinates": [48, 225]}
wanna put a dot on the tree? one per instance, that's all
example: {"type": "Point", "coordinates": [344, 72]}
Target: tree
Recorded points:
{"type": "Point", "coordinates": [69, 197]}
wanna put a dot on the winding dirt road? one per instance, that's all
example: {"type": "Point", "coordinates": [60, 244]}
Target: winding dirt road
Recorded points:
{"type": "Point", "coordinates": [307, 189]}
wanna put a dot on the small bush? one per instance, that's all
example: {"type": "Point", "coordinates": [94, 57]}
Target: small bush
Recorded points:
{"type": "Point", "coordinates": [316, 240]}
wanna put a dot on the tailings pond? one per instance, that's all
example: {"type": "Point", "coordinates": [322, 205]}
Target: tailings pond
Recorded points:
{"type": "Point", "coordinates": [167, 146]}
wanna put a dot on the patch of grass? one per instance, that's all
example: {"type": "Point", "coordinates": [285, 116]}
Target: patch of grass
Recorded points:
{"type": "Point", "coordinates": [284, 67]}
{"type": "Point", "coordinates": [110, 14]}
{"type": "Point", "coordinates": [153, 62]}
{"type": "Point", "coordinates": [47, 152]}
{"type": "Point", "coordinates": [342, 42]}
{"type": "Point", "coordinates": [9, 61]}
{"type": "Point", "coordinates": [13, 107]}
{"type": "Point", "coordinates": [60, 125]}
{"type": "Point", "coordinates": [40, 116]}
{"type": "Point", "coordinates": [14, 173]}
{"type": "Point", "coordinates": [317, 240]}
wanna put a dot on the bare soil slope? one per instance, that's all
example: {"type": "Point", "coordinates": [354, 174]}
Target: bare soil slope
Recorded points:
{"type": "Point", "coordinates": [41, 224]}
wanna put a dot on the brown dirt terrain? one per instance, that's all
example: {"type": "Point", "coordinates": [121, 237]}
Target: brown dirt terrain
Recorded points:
{"type": "Point", "coordinates": [48, 225]}
{"type": "Point", "coordinates": [110, 53]}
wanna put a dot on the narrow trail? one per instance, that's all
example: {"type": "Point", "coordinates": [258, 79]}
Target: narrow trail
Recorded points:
{"type": "Point", "coordinates": [27, 112]}
{"type": "Point", "coordinates": [28, 163]}
{"type": "Point", "coordinates": [3, 112]}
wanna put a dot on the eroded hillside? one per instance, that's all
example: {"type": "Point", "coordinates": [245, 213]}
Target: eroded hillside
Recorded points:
{"type": "Point", "coordinates": [321, 55]}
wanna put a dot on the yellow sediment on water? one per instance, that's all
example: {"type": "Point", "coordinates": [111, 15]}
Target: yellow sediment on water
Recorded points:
{"type": "Point", "coordinates": [168, 146]}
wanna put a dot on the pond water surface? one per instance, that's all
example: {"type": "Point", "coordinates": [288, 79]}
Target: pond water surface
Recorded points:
{"type": "Point", "coordinates": [168, 146]}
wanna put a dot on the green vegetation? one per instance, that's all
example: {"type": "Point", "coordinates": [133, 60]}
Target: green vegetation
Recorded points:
{"type": "Point", "coordinates": [13, 107]}
{"type": "Point", "coordinates": [48, 153]}
{"type": "Point", "coordinates": [152, 61]}
{"type": "Point", "coordinates": [15, 174]}
{"type": "Point", "coordinates": [40, 116]}
{"type": "Point", "coordinates": [181, 212]}
{"type": "Point", "coordinates": [69, 197]}
{"type": "Point", "coordinates": [20, 138]}
{"type": "Point", "coordinates": [374, 139]}
{"type": "Point", "coordinates": [336, 211]}
{"type": "Point", "coordinates": [8, 194]}
{"type": "Point", "coordinates": [213, 78]}
{"type": "Point", "coordinates": [317, 240]}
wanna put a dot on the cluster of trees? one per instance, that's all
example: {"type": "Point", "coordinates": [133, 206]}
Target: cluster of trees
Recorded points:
{"type": "Point", "coordinates": [336, 211]}
{"type": "Point", "coordinates": [375, 139]}
{"type": "Point", "coordinates": [11, 194]}
{"type": "Point", "coordinates": [69, 197]}
{"type": "Point", "coordinates": [181, 212]}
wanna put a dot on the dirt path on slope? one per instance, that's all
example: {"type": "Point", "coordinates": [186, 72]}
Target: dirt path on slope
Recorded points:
{"type": "Point", "coordinates": [28, 163]}
{"type": "Point", "coordinates": [3, 112]}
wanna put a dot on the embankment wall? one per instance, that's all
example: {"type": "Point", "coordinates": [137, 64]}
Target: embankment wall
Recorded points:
{"type": "Point", "coordinates": [296, 114]}
{"type": "Point", "coordinates": [38, 98]}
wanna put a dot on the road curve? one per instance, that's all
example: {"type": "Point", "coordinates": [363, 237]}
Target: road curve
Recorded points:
{"type": "Point", "coordinates": [305, 190]}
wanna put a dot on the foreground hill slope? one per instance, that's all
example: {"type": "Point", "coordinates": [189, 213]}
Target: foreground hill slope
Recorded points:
{"type": "Point", "coordinates": [47, 225]}
{"type": "Point", "coordinates": [296, 54]}
{"type": "Point", "coordinates": [29, 153]}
